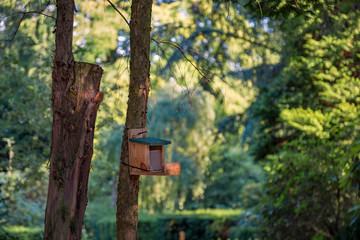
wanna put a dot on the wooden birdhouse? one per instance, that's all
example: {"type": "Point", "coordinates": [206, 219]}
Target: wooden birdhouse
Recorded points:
{"type": "Point", "coordinates": [147, 155]}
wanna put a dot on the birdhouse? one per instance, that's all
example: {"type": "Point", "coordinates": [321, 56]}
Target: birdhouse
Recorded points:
{"type": "Point", "coordinates": [147, 155]}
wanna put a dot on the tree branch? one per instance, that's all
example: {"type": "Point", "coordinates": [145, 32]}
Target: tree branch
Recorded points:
{"type": "Point", "coordinates": [117, 10]}
{"type": "Point", "coordinates": [183, 53]}
{"type": "Point", "coordinates": [205, 78]}
{"type": "Point", "coordinates": [16, 30]}
{"type": "Point", "coordinates": [22, 18]}
{"type": "Point", "coordinates": [30, 12]}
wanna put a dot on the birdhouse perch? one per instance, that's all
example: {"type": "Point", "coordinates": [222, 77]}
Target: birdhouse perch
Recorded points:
{"type": "Point", "coordinates": [147, 155]}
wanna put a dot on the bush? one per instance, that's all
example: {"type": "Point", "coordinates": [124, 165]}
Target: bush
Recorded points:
{"type": "Point", "coordinates": [26, 233]}
{"type": "Point", "coordinates": [199, 224]}
{"type": "Point", "coordinates": [20, 233]}
{"type": "Point", "coordinates": [194, 227]}
{"type": "Point", "coordinates": [105, 227]}
{"type": "Point", "coordinates": [207, 224]}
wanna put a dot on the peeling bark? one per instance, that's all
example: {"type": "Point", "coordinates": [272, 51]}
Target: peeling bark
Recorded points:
{"type": "Point", "coordinates": [128, 186]}
{"type": "Point", "coordinates": [75, 100]}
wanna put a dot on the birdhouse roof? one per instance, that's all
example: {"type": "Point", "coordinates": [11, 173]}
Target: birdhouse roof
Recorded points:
{"type": "Point", "coordinates": [151, 141]}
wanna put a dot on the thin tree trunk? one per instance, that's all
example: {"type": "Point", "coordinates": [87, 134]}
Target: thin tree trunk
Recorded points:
{"type": "Point", "coordinates": [11, 155]}
{"type": "Point", "coordinates": [75, 100]}
{"type": "Point", "coordinates": [128, 186]}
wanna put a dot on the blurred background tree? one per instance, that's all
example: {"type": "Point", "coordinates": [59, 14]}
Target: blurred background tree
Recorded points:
{"type": "Point", "coordinates": [25, 115]}
{"type": "Point", "coordinates": [308, 119]}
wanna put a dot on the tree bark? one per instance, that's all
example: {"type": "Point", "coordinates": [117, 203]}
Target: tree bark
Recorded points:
{"type": "Point", "coordinates": [75, 100]}
{"type": "Point", "coordinates": [128, 186]}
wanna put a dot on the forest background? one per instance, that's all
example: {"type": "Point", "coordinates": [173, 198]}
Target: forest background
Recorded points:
{"type": "Point", "coordinates": [263, 114]}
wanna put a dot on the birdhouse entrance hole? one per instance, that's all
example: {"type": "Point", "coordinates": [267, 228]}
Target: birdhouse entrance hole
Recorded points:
{"type": "Point", "coordinates": [155, 157]}
{"type": "Point", "coordinates": [147, 155]}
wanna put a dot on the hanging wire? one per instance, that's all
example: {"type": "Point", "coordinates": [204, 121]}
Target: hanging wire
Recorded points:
{"type": "Point", "coordinates": [141, 133]}
{"type": "Point", "coordinates": [143, 169]}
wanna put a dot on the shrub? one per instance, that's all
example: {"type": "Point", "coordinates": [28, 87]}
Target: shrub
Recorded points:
{"type": "Point", "coordinates": [20, 233]}
{"type": "Point", "coordinates": [199, 224]}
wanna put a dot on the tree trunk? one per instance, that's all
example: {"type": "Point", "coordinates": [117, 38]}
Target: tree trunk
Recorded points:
{"type": "Point", "coordinates": [75, 100]}
{"type": "Point", "coordinates": [128, 186]}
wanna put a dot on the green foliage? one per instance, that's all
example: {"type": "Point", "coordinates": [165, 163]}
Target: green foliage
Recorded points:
{"type": "Point", "coordinates": [105, 227]}
{"type": "Point", "coordinates": [170, 227]}
{"type": "Point", "coordinates": [306, 120]}
{"type": "Point", "coordinates": [286, 9]}
{"type": "Point", "coordinates": [20, 233]}
{"type": "Point", "coordinates": [105, 163]}
{"type": "Point", "coordinates": [25, 115]}
{"type": "Point", "coordinates": [188, 121]}
{"type": "Point", "coordinates": [233, 180]}
{"type": "Point", "coordinates": [307, 178]}
{"type": "Point", "coordinates": [202, 111]}
{"type": "Point", "coordinates": [21, 203]}
{"type": "Point", "coordinates": [199, 224]}
{"type": "Point", "coordinates": [25, 233]}
{"type": "Point", "coordinates": [203, 227]}
{"type": "Point", "coordinates": [179, 108]}
{"type": "Point", "coordinates": [306, 127]}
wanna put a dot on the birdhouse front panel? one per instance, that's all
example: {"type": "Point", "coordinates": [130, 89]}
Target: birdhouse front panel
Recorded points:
{"type": "Point", "coordinates": [138, 153]}
{"type": "Point", "coordinates": [139, 156]}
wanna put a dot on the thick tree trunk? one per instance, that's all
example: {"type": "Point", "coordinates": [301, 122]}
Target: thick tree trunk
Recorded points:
{"type": "Point", "coordinates": [75, 100]}
{"type": "Point", "coordinates": [128, 186]}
